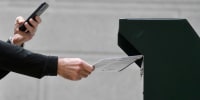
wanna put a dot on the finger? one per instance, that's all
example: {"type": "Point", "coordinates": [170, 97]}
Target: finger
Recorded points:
{"type": "Point", "coordinates": [33, 23]}
{"type": "Point", "coordinates": [76, 78]}
{"type": "Point", "coordinates": [84, 76]}
{"type": "Point", "coordinates": [93, 68]}
{"type": "Point", "coordinates": [84, 73]}
{"type": "Point", "coordinates": [88, 67]}
{"type": "Point", "coordinates": [72, 78]}
{"type": "Point", "coordinates": [29, 28]}
{"type": "Point", "coordinates": [19, 21]}
{"type": "Point", "coordinates": [38, 19]}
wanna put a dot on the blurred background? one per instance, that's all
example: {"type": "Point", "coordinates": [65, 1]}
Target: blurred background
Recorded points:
{"type": "Point", "coordinates": [85, 29]}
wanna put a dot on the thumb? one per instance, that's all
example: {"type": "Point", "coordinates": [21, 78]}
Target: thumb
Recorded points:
{"type": "Point", "coordinates": [19, 20]}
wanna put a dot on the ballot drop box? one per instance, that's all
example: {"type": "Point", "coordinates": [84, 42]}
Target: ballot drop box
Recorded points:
{"type": "Point", "coordinates": [171, 50]}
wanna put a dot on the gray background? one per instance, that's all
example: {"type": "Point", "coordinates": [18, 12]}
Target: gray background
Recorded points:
{"type": "Point", "coordinates": [85, 29]}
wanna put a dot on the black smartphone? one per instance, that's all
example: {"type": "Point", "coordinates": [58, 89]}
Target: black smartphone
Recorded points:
{"type": "Point", "coordinates": [37, 12]}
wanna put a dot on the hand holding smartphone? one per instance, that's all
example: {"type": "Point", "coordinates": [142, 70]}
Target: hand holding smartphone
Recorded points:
{"type": "Point", "coordinates": [37, 12]}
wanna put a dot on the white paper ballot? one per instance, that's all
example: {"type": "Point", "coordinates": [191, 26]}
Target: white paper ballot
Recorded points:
{"type": "Point", "coordinates": [115, 64]}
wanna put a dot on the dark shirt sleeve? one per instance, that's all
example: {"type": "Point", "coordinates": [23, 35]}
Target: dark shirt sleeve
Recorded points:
{"type": "Point", "coordinates": [19, 60]}
{"type": "Point", "coordinates": [3, 73]}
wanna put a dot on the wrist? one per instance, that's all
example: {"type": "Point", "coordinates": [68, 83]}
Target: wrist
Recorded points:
{"type": "Point", "coordinates": [11, 40]}
{"type": "Point", "coordinates": [59, 67]}
{"type": "Point", "coordinates": [14, 40]}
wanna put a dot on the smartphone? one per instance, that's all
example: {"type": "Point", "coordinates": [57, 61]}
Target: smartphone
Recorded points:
{"type": "Point", "coordinates": [37, 12]}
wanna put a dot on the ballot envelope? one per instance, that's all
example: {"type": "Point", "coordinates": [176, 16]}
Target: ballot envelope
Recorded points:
{"type": "Point", "coordinates": [116, 64]}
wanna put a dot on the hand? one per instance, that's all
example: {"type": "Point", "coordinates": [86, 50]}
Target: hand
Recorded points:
{"type": "Point", "coordinates": [21, 37]}
{"type": "Point", "coordinates": [73, 68]}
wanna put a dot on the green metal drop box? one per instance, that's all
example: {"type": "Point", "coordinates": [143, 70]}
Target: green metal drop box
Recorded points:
{"type": "Point", "coordinates": [171, 50]}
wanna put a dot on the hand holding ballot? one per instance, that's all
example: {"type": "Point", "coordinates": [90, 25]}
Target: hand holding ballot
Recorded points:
{"type": "Point", "coordinates": [73, 68]}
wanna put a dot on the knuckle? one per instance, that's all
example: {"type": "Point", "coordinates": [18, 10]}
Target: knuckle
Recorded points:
{"type": "Point", "coordinates": [80, 61]}
{"type": "Point", "coordinates": [78, 69]}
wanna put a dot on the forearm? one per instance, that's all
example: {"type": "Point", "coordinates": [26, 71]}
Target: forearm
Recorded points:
{"type": "Point", "coordinates": [3, 73]}
{"type": "Point", "coordinates": [16, 59]}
